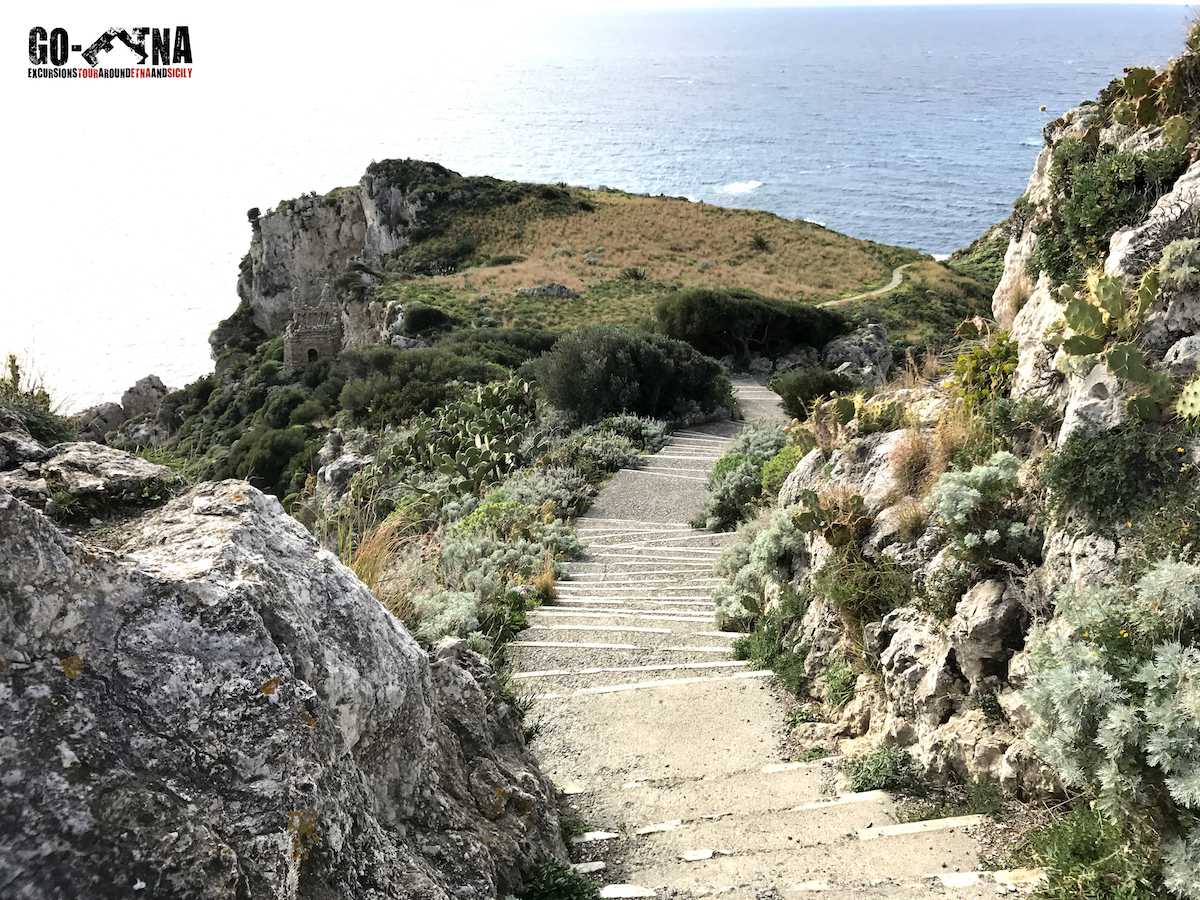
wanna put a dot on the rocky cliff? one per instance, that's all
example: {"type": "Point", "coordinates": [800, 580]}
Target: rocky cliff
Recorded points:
{"type": "Point", "coordinates": [218, 708]}
{"type": "Point", "coordinates": [934, 531]}
{"type": "Point", "coordinates": [334, 245]}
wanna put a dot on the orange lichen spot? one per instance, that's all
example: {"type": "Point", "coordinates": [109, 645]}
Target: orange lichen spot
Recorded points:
{"type": "Point", "coordinates": [237, 497]}
{"type": "Point", "coordinates": [303, 825]}
{"type": "Point", "coordinates": [270, 687]}
{"type": "Point", "coordinates": [72, 667]}
{"type": "Point", "coordinates": [90, 558]}
{"type": "Point", "coordinates": [308, 720]}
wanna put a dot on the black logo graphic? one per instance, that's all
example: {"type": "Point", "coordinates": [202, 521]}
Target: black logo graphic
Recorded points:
{"type": "Point", "coordinates": [53, 46]}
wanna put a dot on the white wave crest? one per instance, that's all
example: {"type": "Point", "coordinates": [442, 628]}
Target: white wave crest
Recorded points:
{"type": "Point", "coordinates": [741, 187]}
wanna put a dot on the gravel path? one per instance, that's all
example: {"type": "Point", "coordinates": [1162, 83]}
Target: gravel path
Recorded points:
{"type": "Point", "coordinates": [669, 749]}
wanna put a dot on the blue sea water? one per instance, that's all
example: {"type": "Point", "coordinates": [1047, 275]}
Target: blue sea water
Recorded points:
{"type": "Point", "coordinates": [910, 125]}
{"type": "Point", "coordinates": [906, 125]}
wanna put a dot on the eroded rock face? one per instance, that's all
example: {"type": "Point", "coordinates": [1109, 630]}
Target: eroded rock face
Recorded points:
{"type": "Point", "coordinates": [223, 710]}
{"type": "Point", "coordinates": [1036, 375]}
{"type": "Point", "coordinates": [144, 397]}
{"type": "Point", "coordinates": [1016, 287]}
{"type": "Point", "coordinates": [929, 675]}
{"type": "Point", "coordinates": [295, 251]}
{"type": "Point", "coordinates": [97, 421]}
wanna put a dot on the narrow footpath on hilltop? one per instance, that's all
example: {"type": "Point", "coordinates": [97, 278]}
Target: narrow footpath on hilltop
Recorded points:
{"type": "Point", "coordinates": [668, 749]}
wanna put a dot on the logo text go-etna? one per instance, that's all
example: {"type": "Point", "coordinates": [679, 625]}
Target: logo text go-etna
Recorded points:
{"type": "Point", "coordinates": [161, 53]}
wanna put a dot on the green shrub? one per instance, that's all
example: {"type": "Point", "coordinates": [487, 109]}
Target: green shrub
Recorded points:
{"type": "Point", "coordinates": [499, 518]}
{"type": "Point", "coordinates": [32, 405]}
{"type": "Point", "coordinates": [565, 490]}
{"type": "Point", "coordinates": [768, 645]}
{"type": "Point", "coordinates": [886, 768]}
{"type": "Point", "coordinates": [727, 464]}
{"type": "Point", "coordinates": [552, 880]}
{"type": "Point", "coordinates": [597, 372]}
{"type": "Point", "coordinates": [508, 347]}
{"type": "Point", "coordinates": [1096, 191]}
{"type": "Point", "coordinates": [839, 684]}
{"type": "Point", "coordinates": [778, 468]}
{"type": "Point", "coordinates": [1116, 475]}
{"type": "Point", "coordinates": [799, 388]}
{"type": "Point", "coordinates": [277, 460]}
{"type": "Point", "coordinates": [984, 373]}
{"type": "Point", "coordinates": [1117, 694]}
{"type": "Point", "coordinates": [730, 495]}
{"type": "Point", "coordinates": [863, 588]}
{"type": "Point", "coordinates": [419, 318]}
{"type": "Point", "coordinates": [982, 510]}
{"type": "Point", "coordinates": [1085, 855]}
{"type": "Point", "coordinates": [385, 385]}
{"type": "Point", "coordinates": [757, 557]}
{"type": "Point", "coordinates": [741, 324]}
{"type": "Point", "coordinates": [647, 434]}
{"type": "Point", "coordinates": [759, 442]}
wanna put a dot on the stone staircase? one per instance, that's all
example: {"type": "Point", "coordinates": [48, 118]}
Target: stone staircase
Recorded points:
{"type": "Point", "coordinates": [668, 747]}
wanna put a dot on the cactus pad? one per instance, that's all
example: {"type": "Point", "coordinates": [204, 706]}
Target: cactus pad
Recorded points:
{"type": "Point", "coordinates": [1187, 406]}
{"type": "Point", "coordinates": [1127, 361]}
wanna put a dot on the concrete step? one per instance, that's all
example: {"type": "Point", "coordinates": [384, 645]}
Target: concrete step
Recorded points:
{"type": "Point", "coordinates": [540, 655]}
{"type": "Point", "coordinates": [964, 885]}
{"type": "Point", "coordinates": [649, 684]}
{"type": "Point", "coordinates": [670, 630]}
{"type": "Point", "coordinates": [746, 850]}
{"type": "Point", "coordinates": [649, 801]}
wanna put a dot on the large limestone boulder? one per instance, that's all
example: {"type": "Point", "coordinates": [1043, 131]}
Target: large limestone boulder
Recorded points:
{"type": "Point", "coordinates": [95, 422]}
{"type": "Point", "coordinates": [221, 709]}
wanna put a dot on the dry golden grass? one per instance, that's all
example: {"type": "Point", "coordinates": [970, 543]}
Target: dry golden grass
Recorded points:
{"type": "Point", "coordinates": [671, 240]}
{"type": "Point", "coordinates": [911, 518]}
{"type": "Point", "coordinates": [914, 462]}
{"type": "Point", "coordinates": [543, 582]}
{"type": "Point", "coordinates": [838, 498]}
{"type": "Point", "coordinates": [935, 276]}
{"type": "Point", "coordinates": [954, 431]}
{"type": "Point", "coordinates": [384, 561]}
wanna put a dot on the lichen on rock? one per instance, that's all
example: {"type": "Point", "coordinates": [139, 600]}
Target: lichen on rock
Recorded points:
{"type": "Point", "coordinates": [221, 709]}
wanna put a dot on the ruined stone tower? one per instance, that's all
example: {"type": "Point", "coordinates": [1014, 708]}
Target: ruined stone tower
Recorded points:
{"type": "Point", "coordinates": [315, 332]}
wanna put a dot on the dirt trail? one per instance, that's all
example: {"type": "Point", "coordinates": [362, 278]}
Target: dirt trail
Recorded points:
{"type": "Point", "coordinates": [668, 748]}
{"type": "Point", "coordinates": [897, 275]}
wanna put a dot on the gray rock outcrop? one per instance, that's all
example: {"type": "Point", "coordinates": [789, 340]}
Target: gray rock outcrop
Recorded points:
{"type": "Point", "coordinates": [95, 422]}
{"type": "Point", "coordinates": [144, 397]}
{"type": "Point", "coordinates": [295, 250]}
{"type": "Point", "coordinates": [221, 709]}
{"type": "Point", "coordinates": [76, 477]}
{"type": "Point", "coordinates": [304, 244]}
{"type": "Point", "coordinates": [865, 352]}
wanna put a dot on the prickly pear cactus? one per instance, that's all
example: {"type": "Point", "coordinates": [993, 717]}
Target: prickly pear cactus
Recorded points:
{"type": "Point", "coordinates": [1176, 131]}
{"type": "Point", "coordinates": [1127, 361]}
{"type": "Point", "coordinates": [1137, 82]}
{"type": "Point", "coordinates": [1187, 406]}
